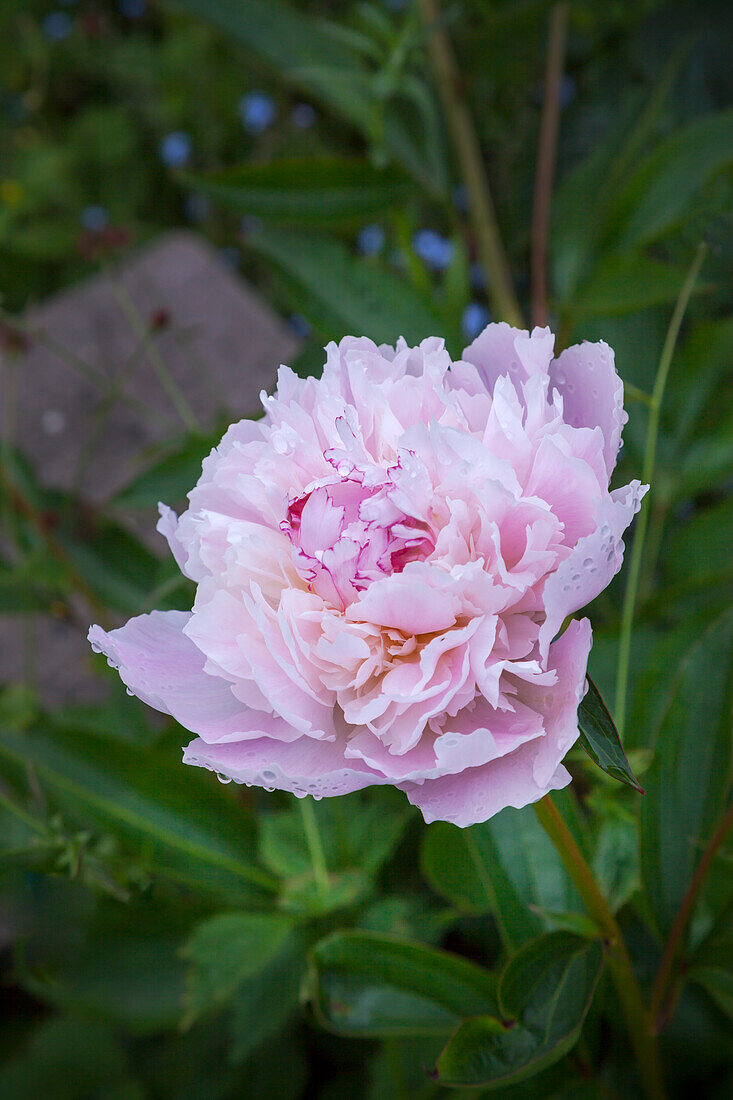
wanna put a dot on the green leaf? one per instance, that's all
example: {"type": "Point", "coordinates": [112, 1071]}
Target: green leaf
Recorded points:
{"type": "Point", "coordinates": [346, 294]}
{"type": "Point", "coordinates": [687, 781]}
{"type": "Point", "coordinates": [225, 950]}
{"type": "Point", "coordinates": [168, 478]}
{"type": "Point", "coordinates": [363, 984]}
{"type": "Point", "coordinates": [324, 190]}
{"type": "Point", "coordinates": [718, 980]}
{"type": "Point", "coordinates": [700, 550]}
{"type": "Point", "coordinates": [66, 1058]}
{"type": "Point", "coordinates": [187, 828]}
{"type": "Point", "coordinates": [616, 861]}
{"type": "Point", "coordinates": [654, 199]}
{"type": "Point", "coordinates": [627, 283]}
{"type": "Point", "coordinates": [544, 993]}
{"type": "Point", "coordinates": [599, 737]}
{"type": "Point", "coordinates": [265, 1002]}
{"type": "Point", "coordinates": [507, 866]}
{"type": "Point", "coordinates": [358, 831]}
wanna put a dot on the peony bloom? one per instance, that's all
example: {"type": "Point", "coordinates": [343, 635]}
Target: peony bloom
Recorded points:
{"type": "Point", "coordinates": [383, 562]}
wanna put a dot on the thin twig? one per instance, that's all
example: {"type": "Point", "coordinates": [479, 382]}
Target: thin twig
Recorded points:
{"type": "Point", "coordinates": [481, 207]}
{"type": "Point", "coordinates": [549, 127]}
{"type": "Point", "coordinates": [681, 920]}
{"type": "Point", "coordinates": [650, 454]}
{"type": "Point", "coordinates": [166, 379]}
{"type": "Point", "coordinates": [641, 1036]}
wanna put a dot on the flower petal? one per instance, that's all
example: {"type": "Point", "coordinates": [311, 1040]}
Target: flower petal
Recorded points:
{"type": "Point", "coordinates": [305, 766]}
{"type": "Point", "coordinates": [592, 392]}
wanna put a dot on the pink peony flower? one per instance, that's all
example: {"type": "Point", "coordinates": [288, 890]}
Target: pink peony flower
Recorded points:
{"type": "Point", "coordinates": [383, 562]}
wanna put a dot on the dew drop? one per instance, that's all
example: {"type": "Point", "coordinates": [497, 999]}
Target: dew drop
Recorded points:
{"type": "Point", "coordinates": [268, 773]}
{"type": "Point", "coordinates": [587, 562]}
{"type": "Point", "coordinates": [129, 691]}
{"type": "Point", "coordinates": [223, 778]}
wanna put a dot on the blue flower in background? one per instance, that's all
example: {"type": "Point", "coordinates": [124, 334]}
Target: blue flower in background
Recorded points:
{"type": "Point", "coordinates": [474, 320]}
{"type": "Point", "coordinates": [435, 250]}
{"type": "Point", "coordinates": [196, 207]}
{"type": "Point", "coordinates": [303, 116]}
{"type": "Point", "coordinates": [94, 218]}
{"type": "Point", "coordinates": [257, 112]}
{"type": "Point", "coordinates": [132, 9]}
{"type": "Point", "coordinates": [370, 240]}
{"type": "Point", "coordinates": [299, 325]}
{"type": "Point", "coordinates": [477, 276]}
{"type": "Point", "coordinates": [175, 149]}
{"type": "Point", "coordinates": [57, 25]}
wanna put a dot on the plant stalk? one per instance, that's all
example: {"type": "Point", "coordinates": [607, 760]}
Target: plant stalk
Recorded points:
{"type": "Point", "coordinates": [642, 1038]}
{"type": "Point", "coordinates": [549, 127]}
{"type": "Point", "coordinates": [315, 847]}
{"type": "Point", "coordinates": [650, 454]}
{"type": "Point", "coordinates": [501, 293]}
{"type": "Point", "coordinates": [677, 931]}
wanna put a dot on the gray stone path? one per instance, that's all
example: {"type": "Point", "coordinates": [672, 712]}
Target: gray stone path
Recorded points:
{"type": "Point", "coordinates": [85, 417]}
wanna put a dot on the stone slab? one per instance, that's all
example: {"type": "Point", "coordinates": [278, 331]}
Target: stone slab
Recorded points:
{"type": "Point", "coordinates": [90, 398]}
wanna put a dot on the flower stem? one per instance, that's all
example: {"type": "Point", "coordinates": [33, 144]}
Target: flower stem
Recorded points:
{"type": "Point", "coordinates": [650, 454]}
{"type": "Point", "coordinates": [681, 920]}
{"type": "Point", "coordinates": [315, 847]}
{"type": "Point", "coordinates": [546, 161]}
{"type": "Point", "coordinates": [483, 215]}
{"type": "Point", "coordinates": [619, 962]}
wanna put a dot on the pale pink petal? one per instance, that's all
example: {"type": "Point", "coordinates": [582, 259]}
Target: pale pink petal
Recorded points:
{"type": "Point", "coordinates": [304, 766]}
{"type": "Point", "coordinates": [163, 667]}
{"type": "Point", "coordinates": [593, 563]}
{"type": "Point", "coordinates": [592, 393]}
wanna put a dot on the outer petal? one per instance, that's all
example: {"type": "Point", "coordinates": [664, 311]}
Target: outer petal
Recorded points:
{"type": "Point", "coordinates": [592, 393]}
{"type": "Point", "coordinates": [304, 766]}
{"type": "Point", "coordinates": [164, 668]}
{"type": "Point", "coordinates": [594, 561]}
{"type": "Point", "coordinates": [526, 775]}
{"type": "Point", "coordinates": [503, 350]}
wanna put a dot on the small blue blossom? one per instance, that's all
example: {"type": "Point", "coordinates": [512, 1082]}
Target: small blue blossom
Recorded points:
{"type": "Point", "coordinates": [57, 25]}
{"type": "Point", "coordinates": [477, 276]}
{"type": "Point", "coordinates": [229, 257]}
{"type": "Point", "coordinates": [257, 112]}
{"type": "Point", "coordinates": [175, 149]}
{"type": "Point", "coordinates": [435, 250]}
{"type": "Point", "coordinates": [132, 9]}
{"type": "Point", "coordinates": [299, 325]}
{"type": "Point", "coordinates": [370, 240]}
{"type": "Point", "coordinates": [474, 320]}
{"type": "Point", "coordinates": [460, 198]}
{"type": "Point", "coordinates": [94, 218]}
{"type": "Point", "coordinates": [303, 116]}
{"type": "Point", "coordinates": [196, 207]}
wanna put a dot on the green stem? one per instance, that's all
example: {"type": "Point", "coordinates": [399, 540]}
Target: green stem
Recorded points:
{"type": "Point", "coordinates": [650, 454]}
{"type": "Point", "coordinates": [681, 921]}
{"type": "Point", "coordinates": [166, 379]}
{"type": "Point", "coordinates": [315, 847]}
{"type": "Point", "coordinates": [483, 215]}
{"type": "Point", "coordinates": [622, 972]}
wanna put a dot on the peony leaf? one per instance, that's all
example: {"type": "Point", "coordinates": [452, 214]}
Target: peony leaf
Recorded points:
{"type": "Point", "coordinates": [227, 949]}
{"type": "Point", "coordinates": [305, 191]}
{"type": "Point", "coordinates": [506, 866]}
{"type": "Point", "coordinates": [189, 830]}
{"type": "Point", "coordinates": [544, 993]}
{"type": "Point", "coordinates": [599, 737]}
{"type": "Point", "coordinates": [364, 984]}
{"type": "Point", "coordinates": [343, 293]}
{"type": "Point", "coordinates": [689, 775]}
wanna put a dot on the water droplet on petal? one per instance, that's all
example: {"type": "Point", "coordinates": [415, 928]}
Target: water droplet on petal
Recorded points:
{"type": "Point", "coordinates": [223, 778]}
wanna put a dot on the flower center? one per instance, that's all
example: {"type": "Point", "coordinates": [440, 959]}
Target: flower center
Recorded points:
{"type": "Point", "coordinates": [346, 534]}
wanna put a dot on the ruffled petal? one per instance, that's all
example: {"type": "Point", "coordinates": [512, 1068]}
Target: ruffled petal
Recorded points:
{"type": "Point", "coordinates": [592, 392]}
{"type": "Point", "coordinates": [164, 668]}
{"type": "Point", "coordinates": [303, 767]}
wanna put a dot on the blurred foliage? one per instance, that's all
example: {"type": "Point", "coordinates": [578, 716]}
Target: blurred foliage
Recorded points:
{"type": "Point", "coordinates": [164, 936]}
